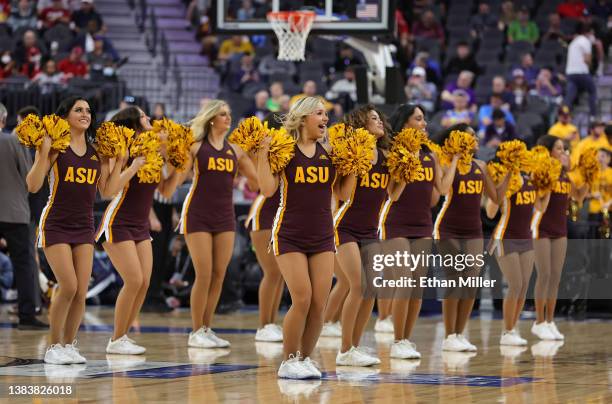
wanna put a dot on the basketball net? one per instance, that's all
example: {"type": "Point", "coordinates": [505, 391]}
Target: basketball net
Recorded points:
{"type": "Point", "coordinates": [291, 29]}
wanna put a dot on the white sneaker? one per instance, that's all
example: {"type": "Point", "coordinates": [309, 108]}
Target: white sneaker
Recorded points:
{"type": "Point", "coordinates": [269, 333]}
{"type": "Point", "coordinates": [509, 338]}
{"type": "Point", "coordinates": [542, 331]}
{"type": "Point", "coordinates": [385, 325]}
{"type": "Point", "coordinates": [73, 352]}
{"type": "Point", "coordinates": [453, 344]}
{"type": "Point", "coordinates": [404, 349]}
{"type": "Point", "coordinates": [371, 352]}
{"type": "Point", "coordinates": [518, 335]}
{"type": "Point", "coordinates": [354, 357]}
{"type": "Point", "coordinates": [331, 329]}
{"type": "Point", "coordinates": [555, 331]}
{"type": "Point", "coordinates": [123, 346]}
{"type": "Point", "coordinates": [294, 368]}
{"type": "Point", "coordinates": [220, 342]}
{"type": "Point", "coordinates": [199, 339]}
{"type": "Point", "coordinates": [56, 355]}
{"type": "Point", "coordinates": [313, 367]}
{"type": "Point", "coordinates": [470, 347]}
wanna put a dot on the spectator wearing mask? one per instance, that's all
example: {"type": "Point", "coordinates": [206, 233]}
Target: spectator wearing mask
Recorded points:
{"type": "Point", "coordinates": [564, 128]}
{"type": "Point", "coordinates": [101, 63]}
{"type": "Point", "coordinates": [29, 54]}
{"type": "Point", "coordinates": [499, 130]}
{"type": "Point", "coordinates": [57, 13]}
{"type": "Point", "coordinates": [460, 112]}
{"type": "Point", "coordinates": [428, 27]}
{"type": "Point", "coordinates": [579, 59]}
{"type": "Point", "coordinates": [464, 82]}
{"type": "Point", "coordinates": [7, 64]}
{"type": "Point", "coordinates": [463, 60]}
{"type": "Point", "coordinates": [419, 90]}
{"type": "Point", "coordinates": [86, 13]}
{"type": "Point", "coordinates": [259, 108]}
{"type": "Point", "coordinates": [485, 113]}
{"type": "Point", "coordinates": [23, 16]}
{"type": "Point", "coordinates": [522, 29]}
{"type": "Point", "coordinates": [482, 20]}
{"type": "Point", "coordinates": [15, 163]}
{"type": "Point", "coordinates": [73, 65]}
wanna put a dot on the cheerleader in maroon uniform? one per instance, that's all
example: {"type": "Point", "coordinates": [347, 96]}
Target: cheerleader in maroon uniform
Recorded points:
{"type": "Point", "coordinates": [125, 235]}
{"type": "Point", "coordinates": [356, 222]}
{"type": "Point", "coordinates": [458, 228]}
{"type": "Point", "coordinates": [405, 224]}
{"type": "Point", "coordinates": [303, 232]}
{"type": "Point", "coordinates": [513, 247]}
{"type": "Point", "coordinates": [66, 229]}
{"type": "Point", "coordinates": [549, 230]}
{"type": "Point", "coordinates": [259, 222]}
{"type": "Point", "coordinates": [207, 219]}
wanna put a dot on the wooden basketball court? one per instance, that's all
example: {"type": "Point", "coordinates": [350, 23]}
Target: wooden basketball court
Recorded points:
{"type": "Point", "coordinates": [578, 370]}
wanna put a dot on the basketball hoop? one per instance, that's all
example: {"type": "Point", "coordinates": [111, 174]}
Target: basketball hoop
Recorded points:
{"type": "Point", "coordinates": [291, 28]}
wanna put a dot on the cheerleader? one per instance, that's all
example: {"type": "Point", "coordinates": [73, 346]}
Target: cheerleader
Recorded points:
{"type": "Point", "coordinates": [458, 228]}
{"type": "Point", "coordinates": [513, 248]}
{"type": "Point", "coordinates": [356, 225]}
{"type": "Point", "coordinates": [549, 230]}
{"type": "Point", "coordinates": [271, 286]}
{"type": "Point", "coordinates": [66, 228]}
{"type": "Point", "coordinates": [125, 234]}
{"type": "Point", "coordinates": [207, 219]}
{"type": "Point", "coordinates": [303, 232]}
{"type": "Point", "coordinates": [406, 224]}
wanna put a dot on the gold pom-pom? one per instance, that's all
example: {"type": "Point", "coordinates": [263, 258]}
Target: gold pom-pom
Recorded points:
{"type": "Point", "coordinates": [403, 165]}
{"type": "Point", "coordinates": [588, 166]}
{"type": "Point", "coordinates": [180, 139]}
{"type": "Point", "coordinates": [412, 139]}
{"type": "Point", "coordinates": [282, 149]}
{"type": "Point", "coordinates": [462, 143]}
{"type": "Point", "coordinates": [147, 145]}
{"type": "Point", "coordinates": [30, 131]}
{"type": "Point", "coordinates": [512, 154]}
{"type": "Point", "coordinates": [249, 134]}
{"type": "Point", "coordinates": [164, 124]}
{"type": "Point", "coordinates": [336, 132]}
{"type": "Point", "coordinates": [546, 171]}
{"type": "Point", "coordinates": [58, 130]}
{"type": "Point", "coordinates": [353, 153]}
{"type": "Point", "coordinates": [112, 140]}
{"type": "Point", "coordinates": [498, 172]}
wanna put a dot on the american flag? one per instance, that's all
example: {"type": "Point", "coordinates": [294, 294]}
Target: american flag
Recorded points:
{"type": "Point", "coordinates": [367, 10]}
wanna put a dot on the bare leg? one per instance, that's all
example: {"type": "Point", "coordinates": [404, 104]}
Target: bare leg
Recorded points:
{"type": "Point", "coordinates": [558, 250]}
{"type": "Point", "coordinates": [543, 268]}
{"type": "Point", "coordinates": [200, 249]}
{"type": "Point", "coordinates": [350, 263]}
{"type": "Point", "coordinates": [223, 246]}
{"type": "Point", "coordinates": [82, 256]}
{"type": "Point", "coordinates": [269, 286]}
{"type": "Point", "coordinates": [59, 257]}
{"type": "Point", "coordinates": [338, 294]}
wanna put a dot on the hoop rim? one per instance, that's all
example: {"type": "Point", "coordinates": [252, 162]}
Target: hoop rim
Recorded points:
{"type": "Point", "coordinates": [286, 15]}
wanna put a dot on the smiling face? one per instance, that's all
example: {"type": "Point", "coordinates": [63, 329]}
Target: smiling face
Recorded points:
{"type": "Point", "coordinates": [558, 150]}
{"type": "Point", "coordinates": [416, 120]}
{"type": "Point", "coordinates": [145, 121]}
{"type": "Point", "coordinates": [374, 124]}
{"type": "Point", "coordinates": [223, 120]}
{"type": "Point", "coordinates": [79, 116]}
{"type": "Point", "coordinates": [315, 124]}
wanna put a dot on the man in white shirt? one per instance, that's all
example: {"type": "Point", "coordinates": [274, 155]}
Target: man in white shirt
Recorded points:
{"type": "Point", "coordinates": [577, 69]}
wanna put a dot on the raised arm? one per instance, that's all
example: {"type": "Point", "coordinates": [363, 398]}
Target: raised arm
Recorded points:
{"type": "Point", "coordinates": [444, 178]}
{"type": "Point", "coordinates": [114, 178]}
{"type": "Point", "coordinates": [268, 182]}
{"type": "Point", "coordinates": [42, 164]}
{"type": "Point", "coordinates": [247, 168]}
{"type": "Point", "coordinates": [495, 193]}
{"type": "Point", "coordinates": [344, 188]}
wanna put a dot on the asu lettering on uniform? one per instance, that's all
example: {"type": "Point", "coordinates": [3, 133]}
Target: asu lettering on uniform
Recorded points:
{"type": "Point", "coordinates": [427, 174]}
{"type": "Point", "coordinates": [311, 175]}
{"type": "Point", "coordinates": [220, 164]}
{"type": "Point", "coordinates": [470, 187]}
{"type": "Point", "coordinates": [81, 175]}
{"type": "Point", "coordinates": [526, 198]}
{"type": "Point", "coordinates": [374, 180]}
{"type": "Point", "coordinates": [562, 187]}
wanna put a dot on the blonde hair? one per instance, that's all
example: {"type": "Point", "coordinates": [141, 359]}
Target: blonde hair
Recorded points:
{"type": "Point", "coordinates": [201, 124]}
{"type": "Point", "coordinates": [292, 121]}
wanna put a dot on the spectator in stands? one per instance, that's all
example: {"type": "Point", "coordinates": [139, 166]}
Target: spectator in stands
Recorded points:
{"type": "Point", "coordinates": [276, 95]}
{"type": "Point", "coordinates": [159, 112]}
{"type": "Point", "coordinates": [73, 65]}
{"type": "Point", "coordinates": [507, 15]}
{"type": "Point", "coordinates": [419, 90]}
{"type": "Point", "coordinates": [571, 9]}
{"type": "Point", "coordinates": [57, 13]}
{"type": "Point", "coordinates": [28, 54]}
{"type": "Point", "coordinates": [345, 58]}
{"type": "Point", "coordinates": [432, 68]}
{"type": "Point", "coordinates": [463, 60]}
{"type": "Point", "coordinates": [285, 104]}
{"type": "Point", "coordinates": [269, 66]}
{"type": "Point", "coordinates": [499, 130]}
{"type": "Point", "coordinates": [554, 32]}
{"type": "Point", "coordinates": [499, 86]}
{"type": "Point", "coordinates": [101, 63]}
{"type": "Point", "coordinates": [309, 89]}
{"type": "Point", "coordinates": [210, 50]}
{"type": "Point", "coordinates": [428, 27]}
{"type": "Point", "coordinates": [564, 128]}
{"type": "Point", "coordinates": [579, 59]}
{"type": "Point", "coordinates": [596, 139]}
{"type": "Point", "coordinates": [86, 13]}
{"type": "Point", "coordinates": [344, 91]}
{"type": "Point", "coordinates": [49, 79]}
{"type": "Point", "coordinates": [529, 70]}
{"type": "Point", "coordinates": [246, 10]}
{"type": "Point", "coordinates": [464, 82]}
{"type": "Point", "coordinates": [546, 88]}
{"type": "Point", "coordinates": [23, 16]}
{"type": "Point", "coordinates": [15, 163]}
{"type": "Point", "coordinates": [7, 64]}
{"type": "Point", "coordinates": [482, 20]}
{"type": "Point", "coordinates": [522, 29]}
{"type": "Point", "coordinates": [245, 75]}
{"type": "Point", "coordinates": [485, 113]}
{"type": "Point", "coordinates": [235, 45]}
{"type": "Point", "coordinates": [460, 112]}
{"type": "Point", "coordinates": [87, 38]}
{"type": "Point", "coordinates": [601, 9]}
{"type": "Point", "coordinates": [259, 108]}
{"type": "Point", "coordinates": [519, 88]}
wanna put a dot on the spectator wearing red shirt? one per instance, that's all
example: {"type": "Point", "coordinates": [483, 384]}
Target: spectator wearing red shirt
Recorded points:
{"type": "Point", "coordinates": [571, 9]}
{"type": "Point", "coordinates": [57, 13]}
{"type": "Point", "coordinates": [73, 65]}
{"type": "Point", "coordinates": [28, 54]}
{"type": "Point", "coordinates": [428, 27]}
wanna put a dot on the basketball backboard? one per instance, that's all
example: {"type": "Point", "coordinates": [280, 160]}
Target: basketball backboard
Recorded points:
{"type": "Point", "coordinates": [333, 17]}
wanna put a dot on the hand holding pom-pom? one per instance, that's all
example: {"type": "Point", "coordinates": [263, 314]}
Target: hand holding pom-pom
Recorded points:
{"type": "Point", "coordinates": [180, 139]}
{"type": "Point", "coordinates": [462, 143]}
{"type": "Point", "coordinates": [112, 140]}
{"type": "Point", "coordinates": [58, 130]}
{"type": "Point", "coordinates": [512, 154]}
{"type": "Point", "coordinates": [547, 170]}
{"type": "Point", "coordinates": [248, 134]}
{"type": "Point", "coordinates": [30, 131]}
{"type": "Point", "coordinates": [282, 149]}
{"type": "Point", "coordinates": [353, 153]}
{"type": "Point", "coordinates": [588, 166]}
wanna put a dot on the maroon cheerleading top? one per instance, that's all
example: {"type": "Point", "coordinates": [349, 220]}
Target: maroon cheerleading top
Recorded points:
{"type": "Point", "coordinates": [303, 221]}
{"type": "Point", "coordinates": [357, 218]}
{"type": "Point", "coordinates": [68, 216]}
{"type": "Point", "coordinates": [517, 211]}
{"type": "Point", "coordinates": [553, 222]}
{"type": "Point", "coordinates": [459, 217]}
{"type": "Point", "coordinates": [410, 215]}
{"type": "Point", "coordinates": [262, 212]}
{"type": "Point", "coordinates": [209, 205]}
